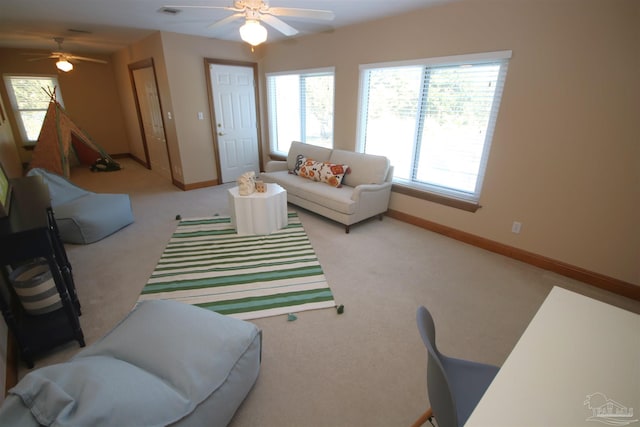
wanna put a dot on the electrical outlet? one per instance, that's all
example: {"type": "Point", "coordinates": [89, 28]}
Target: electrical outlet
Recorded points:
{"type": "Point", "coordinates": [516, 227]}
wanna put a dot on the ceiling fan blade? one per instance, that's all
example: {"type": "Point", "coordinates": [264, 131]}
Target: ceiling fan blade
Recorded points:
{"type": "Point", "coordinates": [182, 6]}
{"type": "Point", "coordinates": [41, 58]}
{"type": "Point", "coordinates": [84, 58]}
{"type": "Point", "coordinates": [224, 21]}
{"type": "Point", "coordinates": [325, 15]}
{"type": "Point", "coordinates": [279, 25]}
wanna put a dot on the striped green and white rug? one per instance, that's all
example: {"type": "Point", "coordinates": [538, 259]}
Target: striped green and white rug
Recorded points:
{"type": "Point", "coordinates": [207, 264]}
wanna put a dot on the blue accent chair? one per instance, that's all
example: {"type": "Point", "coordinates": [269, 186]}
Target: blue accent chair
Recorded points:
{"type": "Point", "coordinates": [82, 216]}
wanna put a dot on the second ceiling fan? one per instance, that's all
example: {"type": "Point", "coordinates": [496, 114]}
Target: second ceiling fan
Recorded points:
{"type": "Point", "coordinates": [63, 58]}
{"type": "Point", "coordinates": [256, 11]}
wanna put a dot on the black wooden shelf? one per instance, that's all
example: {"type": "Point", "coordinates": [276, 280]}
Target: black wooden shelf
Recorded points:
{"type": "Point", "coordinates": [30, 232]}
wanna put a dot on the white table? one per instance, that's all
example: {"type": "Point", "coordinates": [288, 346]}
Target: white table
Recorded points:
{"type": "Point", "coordinates": [573, 348]}
{"type": "Point", "coordinates": [259, 213]}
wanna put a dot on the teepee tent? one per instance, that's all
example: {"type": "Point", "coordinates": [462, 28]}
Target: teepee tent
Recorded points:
{"type": "Point", "coordinates": [60, 138]}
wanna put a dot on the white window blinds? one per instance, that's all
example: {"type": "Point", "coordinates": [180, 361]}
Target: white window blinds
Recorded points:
{"type": "Point", "coordinates": [300, 108]}
{"type": "Point", "coordinates": [434, 119]}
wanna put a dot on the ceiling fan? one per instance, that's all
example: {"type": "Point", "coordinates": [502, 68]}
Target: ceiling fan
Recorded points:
{"type": "Point", "coordinates": [63, 59]}
{"type": "Point", "coordinates": [256, 11]}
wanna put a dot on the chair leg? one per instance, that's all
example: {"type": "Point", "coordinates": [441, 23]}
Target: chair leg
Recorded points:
{"type": "Point", "coordinates": [423, 418]}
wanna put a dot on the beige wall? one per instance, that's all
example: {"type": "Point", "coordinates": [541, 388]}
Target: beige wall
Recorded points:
{"type": "Point", "coordinates": [565, 159]}
{"type": "Point", "coordinates": [179, 62]}
{"type": "Point", "coordinates": [89, 94]}
{"type": "Point", "coordinates": [9, 156]}
{"type": "Point", "coordinates": [187, 80]}
{"type": "Point", "coordinates": [149, 47]}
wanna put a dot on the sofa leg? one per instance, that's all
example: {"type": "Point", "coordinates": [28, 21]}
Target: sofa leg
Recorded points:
{"type": "Point", "coordinates": [346, 229]}
{"type": "Point", "coordinates": [380, 216]}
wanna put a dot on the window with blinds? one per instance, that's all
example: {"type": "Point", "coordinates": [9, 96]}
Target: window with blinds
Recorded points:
{"type": "Point", "coordinates": [30, 101]}
{"type": "Point", "coordinates": [300, 108]}
{"type": "Point", "coordinates": [434, 119]}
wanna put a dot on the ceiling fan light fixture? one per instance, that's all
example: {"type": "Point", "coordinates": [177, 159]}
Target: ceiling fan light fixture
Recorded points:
{"type": "Point", "coordinates": [64, 65]}
{"type": "Point", "coordinates": [253, 33]}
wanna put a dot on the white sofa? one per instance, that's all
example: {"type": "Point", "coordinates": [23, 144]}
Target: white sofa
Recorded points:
{"type": "Point", "coordinates": [364, 193]}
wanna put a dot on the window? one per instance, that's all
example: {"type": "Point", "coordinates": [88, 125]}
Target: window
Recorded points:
{"type": "Point", "coordinates": [434, 120]}
{"type": "Point", "coordinates": [300, 108]}
{"type": "Point", "coordinates": [29, 99]}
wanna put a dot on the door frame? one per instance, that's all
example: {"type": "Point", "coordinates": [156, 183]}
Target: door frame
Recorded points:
{"type": "Point", "coordinates": [212, 111]}
{"type": "Point", "coordinates": [148, 63]}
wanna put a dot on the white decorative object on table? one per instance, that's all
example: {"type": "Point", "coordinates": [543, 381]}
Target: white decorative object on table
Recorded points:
{"type": "Point", "coordinates": [247, 183]}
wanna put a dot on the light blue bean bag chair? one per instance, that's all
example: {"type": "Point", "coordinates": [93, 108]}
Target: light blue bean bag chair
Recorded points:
{"type": "Point", "coordinates": [166, 364]}
{"type": "Point", "coordinates": [83, 216]}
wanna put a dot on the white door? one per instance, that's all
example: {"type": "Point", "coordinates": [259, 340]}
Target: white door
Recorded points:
{"type": "Point", "coordinates": [234, 103]}
{"type": "Point", "coordinates": [153, 126]}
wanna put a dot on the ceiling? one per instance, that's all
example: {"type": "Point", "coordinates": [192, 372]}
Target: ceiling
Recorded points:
{"type": "Point", "coordinates": [105, 26]}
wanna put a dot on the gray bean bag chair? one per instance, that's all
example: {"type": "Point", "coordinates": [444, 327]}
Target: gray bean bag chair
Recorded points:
{"type": "Point", "coordinates": [166, 364]}
{"type": "Point", "coordinates": [83, 216]}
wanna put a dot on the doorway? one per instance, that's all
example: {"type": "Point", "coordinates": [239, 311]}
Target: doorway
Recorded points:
{"type": "Point", "coordinates": [147, 100]}
{"type": "Point", "coordinates": [234, 110]}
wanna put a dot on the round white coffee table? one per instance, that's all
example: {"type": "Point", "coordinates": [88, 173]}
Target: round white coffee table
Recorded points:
{"type": "Point", "coordinates": [259, 213]}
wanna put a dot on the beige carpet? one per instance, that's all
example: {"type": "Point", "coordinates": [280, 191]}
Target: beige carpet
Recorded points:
{"type": "Point", "coordinates": [365, 367]}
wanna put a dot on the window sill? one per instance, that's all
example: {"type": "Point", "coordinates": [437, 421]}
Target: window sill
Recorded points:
{"type": "Point", "coordinates": [436, 198]}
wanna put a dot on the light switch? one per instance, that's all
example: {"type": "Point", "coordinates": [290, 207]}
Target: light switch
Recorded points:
{"type": "Point", "coordinates": [200, 115]}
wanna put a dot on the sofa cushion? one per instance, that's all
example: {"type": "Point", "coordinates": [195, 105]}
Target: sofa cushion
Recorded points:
{"type": "Point", "coordinates": [309, 151]}
{"type": "Point", "coordinates": [329, 173]}
{"type": "Point", "coordinates": [290, 182]}
{"type": "Point", "coordinates": [365, 168]}
{"type": "Point", "coordinates": [337, 199]}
